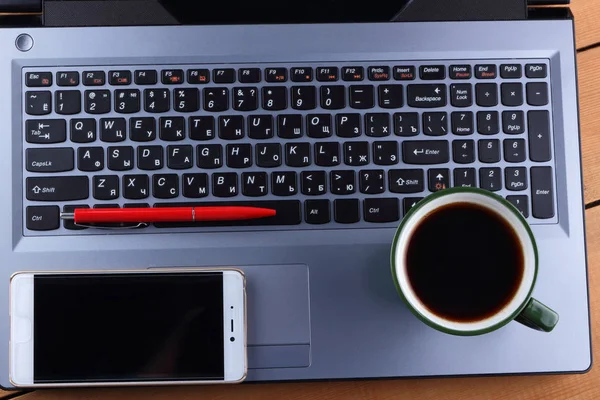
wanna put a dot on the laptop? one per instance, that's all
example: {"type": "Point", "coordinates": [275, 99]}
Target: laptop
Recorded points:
{"type": "Point", "coordinates": [324, 122]}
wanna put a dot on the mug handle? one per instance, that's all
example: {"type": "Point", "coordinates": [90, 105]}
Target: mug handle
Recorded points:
{"type": "Point", "coordinates": [537, 316]}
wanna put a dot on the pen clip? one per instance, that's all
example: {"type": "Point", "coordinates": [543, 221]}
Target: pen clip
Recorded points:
{"type": "Point", "coordinates": [92, 226]}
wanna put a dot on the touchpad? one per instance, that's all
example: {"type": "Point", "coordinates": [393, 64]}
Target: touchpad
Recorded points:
{"type": "Point", "coordinates": [278, 316]}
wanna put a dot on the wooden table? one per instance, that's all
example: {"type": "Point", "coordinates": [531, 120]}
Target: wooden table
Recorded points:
{"type": "Point", "coordinates": [579, 387]}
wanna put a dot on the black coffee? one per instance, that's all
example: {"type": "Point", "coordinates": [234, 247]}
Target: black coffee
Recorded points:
{"type": "Point", "coordinates": [464, 262]}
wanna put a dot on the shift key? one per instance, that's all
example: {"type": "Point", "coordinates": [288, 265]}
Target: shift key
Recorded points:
{"type": "Point", "coordinates": [542, 192]}
{"type": "Point", "coordinates": [58, 188]}
{"type": "Point", "coordinates": [425, 152]}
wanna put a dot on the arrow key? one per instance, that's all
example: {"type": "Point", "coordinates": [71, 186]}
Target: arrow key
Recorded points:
{"type": "Point", "coordinates": [439, 179]}
{"type": "Point", "coordinates": [342, 182]}
{"type": "Point", "coordinates": [410, 202]}
{"type": "Point", "coordinates": [406, 180]}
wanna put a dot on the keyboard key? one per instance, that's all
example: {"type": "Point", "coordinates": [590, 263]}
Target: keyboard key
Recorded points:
{"type": "Point", "coordinates": [487, 122]}
{"type": "Point", "coordinates": [512, 94]}
{"type": "Point", "coordinates": [536, 70]}
{"type": "Point", "coordinates": [425, 152]}
{"type": "Point", "coordinates": [301, 74]}
{"type": "Point", "coordinates": [68, 102]}
{"type": "Point", "coordinates": [319, 125]}
{"type": "Point", "coordinates": [333, 97]}
{"type": "Point", "coordinates": [489, 151]}
{"type": "Point", "coordinates": [327, 74]}
{"type": "Point", "coordinates": [127, 101]}
{"type": "Point", "coordinates": [145, 77]}
{"type": "Point", "coordinates": [94, 78]}
{"type": "Point", "coordinates": [377, 125]}
{"type": "Point", "coordinates": [426, 96]}
{"type": "Point", "coordinates": [120, 158]}
{"type": "Point", "coordinates": [406, 124]}
{"type": "Point", "coordinates": [42, 218]}
{"type": "Point", "coordinates": [284, 183]}
{"type": "Point", "coordinates": [381, 210]}
{"type": "Point", "coordinates": [288, 213]}
{"type": "Point", "coordinates": [297, 154]}
{"type": "Point", "coordinates": [142, 129]}
{"type": "Point", "coordinates": [327, 154]}
{"type": "Point", "coordinates": [224, 75]}
{"type": "Point", "coordinates": [537, 94]}
{"type": "Point", "coordinates": [231, 127]}
{"type": "Point", "coordinates": [38, 102]}
{"type": "Point", "coordinates": [313, 183]}
{"type": "Point", "coordinates": [90, 159]}
{"type": "Point", "coordinates": [353, 74]}
{"type": "Point", "coordinates": [118, 78]}
{"type": "Point", "coordinates": [198, 76]}
{"type": "Point", "coordinates": [289, 126]}
{"type": "Point", "coordinates": [150, 157]}
{"type": "Point", "coordinates": [249, 75]}
{"type": "Point", "coordinates": [304, 97]}
{"type": "Point", "coordinates": [390, 96]}
{"type": "Point", "coordinates": [171, 76]}
{"type": "Point", "coordinates": [187, 99]}
{"type": "Point", "coordinates": [486, 94]}
{"type": "Point", "coordinates": [513, 122]}
{"type": "Point", "coordinates": [275, 74]}
{"type": "Point", "coordinates": [379, 73]}
{"type": "Point", "coordinates": [68, 78]}
{"type": "Point", "coordinates": [254, 184]}
{"type": "Point", "coordinates": [385, 153]}
{"type": "Point", "coordinates": [49, 160]}
{"type": "Point", "coordinates": [106, 187]}
{"type": "Point", "coordinates": [406, 180]}
{"type": "Point", "coordinates": [44, 131]}
{"type": "Point", "coordinates": [274, 98]}
{"type": "Point", "coordinates": [268, 155]}
{"type": "Point", "coordinates": [317, 212]}
{"type": "Point", "coordinates": [260, 126]}
{"type": "Point", "coordinates": [514, 150]}
{"type": "Point", "coordinates": [511, 71]}
{"type": "Point", "coordinates": [166, 186]}
{"type": "Point", "coordinates": [432, 72]}
{"type": "Point", "coordinates": [461, 95]}
{"type": "Point", "coordinates": [245, 98]}
{"type": "Point", "coordinates": [70, 224]}
{"type": "Point", "coordinates": [239, 155]}
{"type": "Point", "coordinates": [180, 157]}
{"type": "Point", "coordinates": [371, 181]}
{"type": "Point", "coordinates": [404, 73]}
{"type": "Point", "coordinates": [209, 156]}
{"type": "Point", "coordinates": [346, 211]}
{"type": "Point", "coordinates": [97, 101]}
{"type": "Point", "coordinates": [113, 129]}
{"type": "Point", "coordinates": [136, 187]}
{"type": "Point", "coordinates": [462, 123]}
{"type": "Point", "coordinates": [38, 79]}
{"type": "Point", "coordinates": [439, 179]}
{"type": "Point", "coordinates": [356, 153]}
{"type": "Point", "coordinates": [83, 130]}
{"type": "Point", "coordinates": [521, 203]}
{"type": "Point", "coordinates": [172, 128]}
{"type": "Point", "coordinates": [463, 151]}
{"type": "Point", "coordinates": [539, 136]}
{"type": "Point", "coordinates": [460, 72]}
{"type": "Point", "coordinates": [195, 185]}
{"type": "Point", "coordinates": [157, 100]}
{"type": "Point", "coordinates": [490, 179]}
{"type": "Point", "coordinates": [409, 202]}
{"type": "Point", "coordinates": [435, 124]}
{"type": "Point", "coordinates": [216, 99]}
{"type": "Point", "coordinates": [515, 178]}
{"type": "Point", "coordinates": [343, 182]}
{"type": "Point", "coordinates": [486, 71]}
{"type": "Point", "coordinates": [348, 125]}
{"type": "Point", "coordinates": [542, 192]}
{"type": "Point", "coordinates": [464, 177]}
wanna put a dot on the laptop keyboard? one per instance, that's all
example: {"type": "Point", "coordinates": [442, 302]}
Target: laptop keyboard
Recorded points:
{"type": "Point", "coordinates": [329, 146]}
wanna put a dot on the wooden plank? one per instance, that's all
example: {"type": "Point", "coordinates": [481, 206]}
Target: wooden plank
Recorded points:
{"type": "Point", "coordinates": [587, 28]}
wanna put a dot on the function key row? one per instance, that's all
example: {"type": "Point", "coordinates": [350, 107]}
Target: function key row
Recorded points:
{"type": "Point", "coordinates": [282, 74]}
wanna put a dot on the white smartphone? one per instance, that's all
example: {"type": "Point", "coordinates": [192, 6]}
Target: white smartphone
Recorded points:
{"type": "Point", "coordinates": [151, 327]}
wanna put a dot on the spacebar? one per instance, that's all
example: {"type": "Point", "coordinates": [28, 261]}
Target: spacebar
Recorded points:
{"type": "Point", "coordinates": [288, 213]}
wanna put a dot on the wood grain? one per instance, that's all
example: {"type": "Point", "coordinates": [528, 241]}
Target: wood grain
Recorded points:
{"type": "Point", "coordinates": [589, 106]}
{"type": "Point", "coordinates": [587, 28]}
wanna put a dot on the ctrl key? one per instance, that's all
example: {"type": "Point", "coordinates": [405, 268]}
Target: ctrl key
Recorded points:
{"type": "Point", "coordinates": [42, 218]}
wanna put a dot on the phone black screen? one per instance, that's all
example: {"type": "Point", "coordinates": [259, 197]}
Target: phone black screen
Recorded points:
{"type": "Point", "coordinates": [128, 327]}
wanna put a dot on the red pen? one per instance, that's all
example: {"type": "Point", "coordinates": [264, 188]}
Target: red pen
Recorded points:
{"type": "Point", "coordinates": [166, 214]}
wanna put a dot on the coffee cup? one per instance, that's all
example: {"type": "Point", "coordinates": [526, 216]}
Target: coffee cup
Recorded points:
{"type": "Point", "coordinates": [465, 262]}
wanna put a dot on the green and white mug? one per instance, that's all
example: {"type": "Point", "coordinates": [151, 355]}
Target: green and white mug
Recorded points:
{"type": "Point", "coordinates": [522, 307]}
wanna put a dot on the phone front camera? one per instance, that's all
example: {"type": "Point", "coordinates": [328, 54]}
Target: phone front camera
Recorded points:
{"type": "Point", "coordinates": [232, 339]}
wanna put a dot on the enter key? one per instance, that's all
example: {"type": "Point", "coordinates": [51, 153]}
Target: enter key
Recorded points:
{"type": "Point", "coordinates": [542, 192]}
